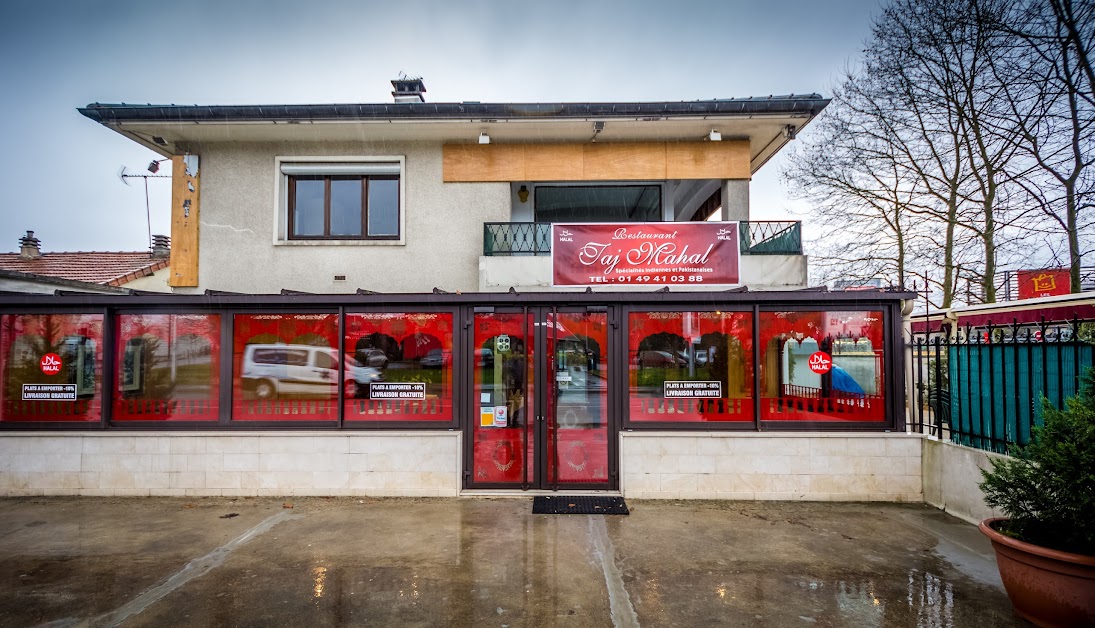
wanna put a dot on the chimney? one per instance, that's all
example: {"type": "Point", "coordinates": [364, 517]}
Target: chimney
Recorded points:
{"type": "Point", "coordinates": [30, 247]}
{"type": "Point", "coordinates": [161, 247]}
{"type": "Point", "coordinates": [408, 89]}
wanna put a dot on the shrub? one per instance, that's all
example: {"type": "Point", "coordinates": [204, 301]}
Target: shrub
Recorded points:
{"type": "Point", "coordinates": [1047, 490]}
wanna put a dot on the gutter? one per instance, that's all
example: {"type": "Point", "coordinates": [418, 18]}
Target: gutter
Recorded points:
{"type": "Point", "coordinates": [808, 105]}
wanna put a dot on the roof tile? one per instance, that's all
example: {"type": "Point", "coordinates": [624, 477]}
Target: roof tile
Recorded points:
{"type": "Point", "coordinates": [102, 267]}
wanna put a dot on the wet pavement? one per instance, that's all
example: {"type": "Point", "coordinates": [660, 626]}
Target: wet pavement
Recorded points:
{"type": "Point", "coordinates": [489, 562]}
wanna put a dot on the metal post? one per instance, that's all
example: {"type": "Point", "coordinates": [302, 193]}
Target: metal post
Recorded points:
{"type": "Point", "coordinates": [528, 404]}
{"type": "Point", "coordinates": [554, 385]}
{"type": "Point", "coordinates": [992, 387]}
{"type": "Point", "coordinates": [1017, 413]}
{"type": "Point", "coordinates": [937, 411]}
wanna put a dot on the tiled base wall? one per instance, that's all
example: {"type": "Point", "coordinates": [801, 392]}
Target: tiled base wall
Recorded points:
{"type": "Point", "coordinates": [817, 467]}
{"type": "Point", "coordinates": [376, 463]}
{"type": "Point", "coordinates": [663, 465]}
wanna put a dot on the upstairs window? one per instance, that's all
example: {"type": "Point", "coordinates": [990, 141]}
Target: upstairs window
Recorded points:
{"type": "Point", "coordinates": [598, 203]}
{"type": "Point", "coordinates": [343, 201]}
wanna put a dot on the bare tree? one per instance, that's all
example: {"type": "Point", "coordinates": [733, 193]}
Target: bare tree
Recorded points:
{"type": "Point", "coordinates": [1047, 78]}
{"type": "Point", "coordinates": [934, 164]}
{"type": "Point", "coordinates": [850, 176]}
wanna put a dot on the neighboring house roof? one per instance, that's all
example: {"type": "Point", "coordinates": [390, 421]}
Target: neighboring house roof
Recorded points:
{"type": "Point", "coordinates": [15, 282]}
{"type": "Point", "coordinates": [107, 268]}
{"type": "Point", "coordinates": [811, 104]}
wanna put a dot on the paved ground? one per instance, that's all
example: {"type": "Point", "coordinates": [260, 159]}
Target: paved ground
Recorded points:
{"type": "Point", "coordinates": [478, 562]}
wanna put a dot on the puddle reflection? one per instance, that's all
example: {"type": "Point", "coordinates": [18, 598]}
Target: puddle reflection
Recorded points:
{"type": "Point", "coordinates": [917, 598]}
{"type": "Point", "coordinates": [320, 576]}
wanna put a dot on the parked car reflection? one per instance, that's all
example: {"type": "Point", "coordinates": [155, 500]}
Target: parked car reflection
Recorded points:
{"type": "Point", "coordinates": [274, 371]}
{"type": "Point", "coordinates": [372, 357]}
{"type": "Point", "coordinates": [662, 359]}
{"type": "Point", "coordinates": [435, 359]}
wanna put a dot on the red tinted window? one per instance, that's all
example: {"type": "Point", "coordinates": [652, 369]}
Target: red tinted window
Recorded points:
{"type": "Point", "coordinates": [822, 366]}
{"type": "Point", "coordinates": [399, 366]}
{"type": "Point", "coordinates": [690, 366]}
{"type": "Point", "coordinates": [167, 367]}
{"type": "Point", "coordinates": [279, 373]}
{"type": "Point", "coordinates": [52, 367]}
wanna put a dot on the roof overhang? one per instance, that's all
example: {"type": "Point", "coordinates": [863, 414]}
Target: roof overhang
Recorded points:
{"type": "Point", "coordinates": [767, 123]}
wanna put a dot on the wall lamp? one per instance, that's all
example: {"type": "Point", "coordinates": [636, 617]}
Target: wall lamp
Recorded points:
{"type": "Point", "coordinates": [714, 136]}
{"type": "Point", "coordinates": [522, 194]}
{"type": "Point", "coordinates": [154, 167]}
{"type": "Point", "coordinates": [598, 126]}
{"type": "Point", "coordinates": [789, 131]}
{"type": "Point", "coordinates": [484, 138]}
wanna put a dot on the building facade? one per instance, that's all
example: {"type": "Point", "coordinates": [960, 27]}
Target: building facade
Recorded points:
{"type": "Point", "coordinates": [374, 299]}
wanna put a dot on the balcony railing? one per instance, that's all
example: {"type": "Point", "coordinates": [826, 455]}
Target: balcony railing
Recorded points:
{"type": "Point", "coordinates": [758, 237]}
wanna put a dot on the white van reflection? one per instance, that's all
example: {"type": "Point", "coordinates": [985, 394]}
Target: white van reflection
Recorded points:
{"type": "Point", "coordinates": [273, 371]}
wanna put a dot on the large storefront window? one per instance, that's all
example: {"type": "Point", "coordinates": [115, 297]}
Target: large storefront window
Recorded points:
{"type": "Point", "coordinates": [285, 367]}
{"type": "Point", "coordinates": [690, 366]}
{"type": "Point", "coordinates": [822, 366]}
{"type": "Point", "coordinates": [167, 367]}
{"type": "Point", "coordinates": [399, 366]}
{"type": "Point", "coordinates": [52, 367]}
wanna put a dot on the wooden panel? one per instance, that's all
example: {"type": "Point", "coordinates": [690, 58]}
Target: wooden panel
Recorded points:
{"type": "Point", "coordinates": [185, 193]}
{"type": "Point", "coordinates": [483, 162]}
{"type": "Point", "coordinates": [622, 162]}
{"type": "Point", "coordinates": [707, 160]}
{"type": "Point", "coordinates": [553, 162]}
{"type": "Point", "coordinates": [596, 162]}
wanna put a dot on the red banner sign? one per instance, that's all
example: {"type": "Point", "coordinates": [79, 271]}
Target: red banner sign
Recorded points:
{"type": "Point", "coordinates": [1043, 283]}
{"type": "Point", "coordinates": [642, 254]}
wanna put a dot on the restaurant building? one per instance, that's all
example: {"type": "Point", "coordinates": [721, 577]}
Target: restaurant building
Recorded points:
{"type": "Point", "coordinates": [463, 298]}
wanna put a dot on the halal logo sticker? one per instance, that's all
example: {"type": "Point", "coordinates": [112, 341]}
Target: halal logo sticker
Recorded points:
{"type": "Point", "coordinates": [50, 364]}
{"type": "Point", "coordinates": [821, 362]}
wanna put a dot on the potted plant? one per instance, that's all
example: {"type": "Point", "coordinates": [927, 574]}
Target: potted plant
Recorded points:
{"type": "Point", "coordinates": [1045, 547]}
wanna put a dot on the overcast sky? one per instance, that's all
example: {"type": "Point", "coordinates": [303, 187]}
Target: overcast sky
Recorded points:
{"type": "Point", "coordinates": [58, 170]}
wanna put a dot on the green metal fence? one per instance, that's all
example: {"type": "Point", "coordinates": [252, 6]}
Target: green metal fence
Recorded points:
{"type": "Point", "coordinates": [984, 388]}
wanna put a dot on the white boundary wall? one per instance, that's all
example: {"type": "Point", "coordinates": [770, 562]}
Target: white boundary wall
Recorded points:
{"type": "Point", "coordinates": [951, 475]}
{"type": "Point", "coordinates": [654, 465]}
{"type": "Point", "coordinates": [411, 464]}
{"type": "Point", "coordinates": [759, 465]}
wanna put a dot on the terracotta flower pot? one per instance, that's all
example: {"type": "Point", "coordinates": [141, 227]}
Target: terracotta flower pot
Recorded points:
{"type": "Point", "coordinates": [1046, 587]}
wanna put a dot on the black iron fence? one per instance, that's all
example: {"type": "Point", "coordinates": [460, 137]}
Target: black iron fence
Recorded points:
{"type": "Point", "coordinates": [758, 237]}
{"type": "Point", "coordinates": [983, 387]}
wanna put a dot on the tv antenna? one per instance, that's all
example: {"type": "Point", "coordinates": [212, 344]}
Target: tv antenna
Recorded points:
{"type": "Point", "coordinates": [153, 168]}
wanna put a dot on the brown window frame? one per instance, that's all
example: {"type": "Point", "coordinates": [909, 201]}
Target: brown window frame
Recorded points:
{"type": "Point", "coordinates": [327, 178]}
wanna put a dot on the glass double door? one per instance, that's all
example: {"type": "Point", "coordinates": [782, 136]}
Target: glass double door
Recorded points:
{"type": "Point", "coordinates": [540, 400]}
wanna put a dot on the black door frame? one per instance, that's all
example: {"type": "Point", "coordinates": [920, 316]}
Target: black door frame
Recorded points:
{"type": "Point", "coordinates": [542, 385]}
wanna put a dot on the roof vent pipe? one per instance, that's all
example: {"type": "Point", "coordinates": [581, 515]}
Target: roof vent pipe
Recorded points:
{"type": "Point", "coordinates": [30, 247]}
{"type": "Point", "coordinates": [408, 89]}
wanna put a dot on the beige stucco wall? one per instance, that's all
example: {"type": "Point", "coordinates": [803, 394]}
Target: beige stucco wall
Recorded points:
{"type": "Point", "coordinates": [951, 475]}
{"type": "Point", "coordinates": [443, 225]}
{"type": "Point", "coordinates": [156, 282]}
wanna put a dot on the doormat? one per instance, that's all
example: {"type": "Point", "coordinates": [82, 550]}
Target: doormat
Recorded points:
{"type": "Point", "coordinates": [584, 505]}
